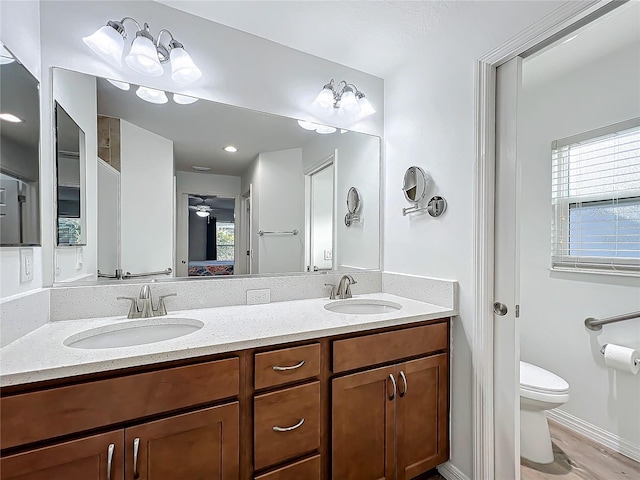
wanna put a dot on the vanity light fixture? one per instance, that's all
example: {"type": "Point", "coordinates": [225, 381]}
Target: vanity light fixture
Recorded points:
{"type": "Point", "coordinates": [146, 55]}
{"type": "Point", "coordinates": [230, 149]}
{"type": "Point", "coordinates": [343, 97]}
{"type": "Point", "coordinates": [152, 95]}
{"type": "Point", "coordinates": [325, 130]}
{"type": "Point", "coordinates": [5, 55]}
{"type": "Point", "coordinates": [121, 85]}
{"type": "Point", "coordinates": [184, 99]}
{"type": "Point", "coordinates": [9, 117]}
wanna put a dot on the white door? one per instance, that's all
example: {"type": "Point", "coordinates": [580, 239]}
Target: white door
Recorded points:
{"type": "Point", "coordinates": [247, 231]}
{"type": "Point", "coordinates": [506, 334]}
{"type": "Point", "coordinates": [321, 219]}
{"type": "Point", "coordinates": [182, 236]}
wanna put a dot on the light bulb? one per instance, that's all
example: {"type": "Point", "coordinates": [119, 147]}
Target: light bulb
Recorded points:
{"type": "Point", "coordinates": [152, 95]}
{"type": "Point", "coordinates": [202, 213]}
{"type": "Point", "coordinates": [308, 125]}
{"type": "Point", "coordinates": [324, 129]}
{"type": "Point", "coordinates": [184, 99]}
{"type": "Point", "coordinates": [121, 85]}
{"type": "Point", "coordinates": [183, 70]}
{"type": "Point", "coordinates": [143, 57]}
{"type": "Point", "coordinates": [365, 107]}
{"type": "Point", "coordinates": [348, 104]}
{"type": "Point", "coordinates": [323, 104]}
{"type": "Point", "coordinates": [107, 42]}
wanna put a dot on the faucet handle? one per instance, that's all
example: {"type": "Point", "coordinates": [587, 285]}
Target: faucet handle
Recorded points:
{"type": "Point", "coordinates": [162, 308]}
{"type": "Point", "coordinates": [133, 310]}
{"type": "Point", "coordinates": [332, 295]}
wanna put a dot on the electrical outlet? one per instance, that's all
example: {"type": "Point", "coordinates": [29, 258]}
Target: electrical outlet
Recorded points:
{"type": "Point", "coordinates": [26, 265]}
{"type": "Point", "coordinates": [257, 297]}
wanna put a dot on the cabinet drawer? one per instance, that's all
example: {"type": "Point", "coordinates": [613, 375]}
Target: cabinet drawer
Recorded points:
{"type": "Point", "coordinates": [308, 469]}
{"type": "Point", "coordinates": [295, 412]}
{"type": "Point", "coordinates": [30, 417]}
{"type": "Point", "coordinates": [286, 365]}
{"type": "Point", "coordinates": [369, 350]}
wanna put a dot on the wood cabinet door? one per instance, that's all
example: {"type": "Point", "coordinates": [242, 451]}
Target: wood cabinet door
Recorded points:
{"type": "Point", "coordinates": [422, 423]}
{"type": "Point", "coordinates": [363, 425]}
{"type": "Point", "coordinates": [202, 445]}
{"type": "Point", "coordinates": [83, 459]}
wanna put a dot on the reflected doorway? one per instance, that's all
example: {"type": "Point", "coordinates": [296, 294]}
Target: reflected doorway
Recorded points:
{"type": "Point", "coordinates": [320, 186]}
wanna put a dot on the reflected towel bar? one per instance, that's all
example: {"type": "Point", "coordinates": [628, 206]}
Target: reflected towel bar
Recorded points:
{"type": "Point", "coordinates": [595, 324]}
{"type": "Point", "coordinates": [284, 232]}
{"type": "Point", "coordinates": [147, 274]}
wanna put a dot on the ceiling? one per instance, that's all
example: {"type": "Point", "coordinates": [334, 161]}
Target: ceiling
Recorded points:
{"type": "Point", "coordinates": [371, 36]}
{"type": "Point", "coordinates": [616, 30]}
{"type": "Point", "coordinates": [200, 131]}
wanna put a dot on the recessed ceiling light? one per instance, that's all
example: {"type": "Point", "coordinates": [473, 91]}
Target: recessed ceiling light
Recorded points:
{"type": "Point", "coordinates": [230, 149]}
{"type": "Point", "coordinates": [184, 99]}
{"type": "Point", "coordinates": [200, 169]}
{"type": "Point", "coordinates": [8, 117]}
{"type": "Point", "coordinates": [121, 85]}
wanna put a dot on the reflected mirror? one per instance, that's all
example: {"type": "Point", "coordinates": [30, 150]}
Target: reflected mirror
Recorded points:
{"type": "Point", "coordinates": [415, 184]}
{"type": "Point", "coordinates": [69, 180]}
{"type": "Point", "coordinates": [20, 153]}
{"type": "Point", "coordinates": [194, 188]}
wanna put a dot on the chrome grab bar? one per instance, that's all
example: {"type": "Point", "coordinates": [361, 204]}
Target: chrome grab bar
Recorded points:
{"type": "Point", "coordinates": [595, 324]}
{"type": "Point", "coordinates": [283, 232]}
{"type": "Point", "coordinates": [168, 271]}
{"type": "Point", "coordinates": [118, 274]}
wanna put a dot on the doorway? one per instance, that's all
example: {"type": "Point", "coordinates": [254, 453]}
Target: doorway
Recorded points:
{"type": "Point", "coordinates": [545, 304]}
{"type": "Point", "coordinates": [320, 216]}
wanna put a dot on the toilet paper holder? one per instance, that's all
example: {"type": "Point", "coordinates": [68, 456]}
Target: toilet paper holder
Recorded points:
{"type": "Point", "coordinates": [604, 347]}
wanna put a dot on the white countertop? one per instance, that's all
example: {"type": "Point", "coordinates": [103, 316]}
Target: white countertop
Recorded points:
{"type": "Point", "coordinates": [42, 355]}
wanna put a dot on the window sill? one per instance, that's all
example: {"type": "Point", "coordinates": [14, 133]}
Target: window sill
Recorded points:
{"type": "Point", "coordinates": [595, 271]}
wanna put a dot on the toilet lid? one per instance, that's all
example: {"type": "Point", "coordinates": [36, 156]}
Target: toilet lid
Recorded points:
{"type": "Point", "coordinates": [540, 380]}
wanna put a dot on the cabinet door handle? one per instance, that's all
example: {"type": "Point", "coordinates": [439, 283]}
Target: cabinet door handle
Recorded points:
{"type": "Point", "coordinates": [292, 367]}
{"type": "Point", "coordinates": [288, 429]}
{"type": "Point", "coordinates": [404, 381]}
{"type": "Point", "coordinates": [136, 447]}
{"type": "Point", "coordinates": [110, 451]}
{"type": "Point", "coordinates": [393, 382]}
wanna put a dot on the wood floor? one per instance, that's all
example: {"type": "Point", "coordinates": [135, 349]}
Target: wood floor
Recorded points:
{"type": "Point", "coordinates": [578, 458]}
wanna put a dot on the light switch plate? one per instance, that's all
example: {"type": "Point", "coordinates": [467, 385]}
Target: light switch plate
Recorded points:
{"type": "Point", "coordinates": [79, 261]}
{"type": "Point", "coordinates": [257, 297]}
{"type": "Point", "coordinates": [26, 265]}
{"type": "Point", "coordinates": [328, 254]}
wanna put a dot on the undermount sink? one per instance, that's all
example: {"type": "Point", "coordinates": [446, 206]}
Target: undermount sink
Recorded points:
{"type": "Point", "coordinates": [362, 306]}
{"type": "Point", "coordinates": [129, 334]}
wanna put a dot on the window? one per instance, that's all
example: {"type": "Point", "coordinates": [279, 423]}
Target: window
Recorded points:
{"type": "Point", "coordinates": [596, 200]}
{"type": "Point", "coordinates": [225, 240]}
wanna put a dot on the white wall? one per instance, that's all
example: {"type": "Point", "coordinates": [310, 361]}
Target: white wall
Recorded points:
{"type": "Point", "coordinates": [429, 122]}
{"type": "Point", "coordinates": [76, 93]}
{"type": "Point", "coordinates": [147, 201]}
{"type": "Point", "coordinates": [20, 32]}
{"type": "Point", "coordinates": [109, 215]}
{"type": "Point", "coordinates": [555, 304]}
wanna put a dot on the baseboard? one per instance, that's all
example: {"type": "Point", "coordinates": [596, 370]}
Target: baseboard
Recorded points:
{"type": "Point", "coordinates": [597, 434]}
{"type": "Point", "coordinates": [451, 472]}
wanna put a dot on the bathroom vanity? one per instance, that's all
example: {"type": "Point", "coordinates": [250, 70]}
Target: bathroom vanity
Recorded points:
{"type": "Point", "coordinates": [355, 397]}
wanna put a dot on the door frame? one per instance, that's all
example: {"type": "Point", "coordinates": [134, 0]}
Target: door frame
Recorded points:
{"type": "Point", "coordinates": [566, 17]}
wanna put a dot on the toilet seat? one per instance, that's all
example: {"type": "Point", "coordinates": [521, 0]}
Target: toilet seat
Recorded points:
{"type": "Point", "coordinates": [539, 384]}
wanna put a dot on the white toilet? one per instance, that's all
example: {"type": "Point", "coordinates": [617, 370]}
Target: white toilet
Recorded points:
{"type": "Point", "coordinates": [540, 390]}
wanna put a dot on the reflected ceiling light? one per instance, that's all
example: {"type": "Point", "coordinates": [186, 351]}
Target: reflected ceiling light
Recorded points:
{"type": "Point", "coordinates": [570, 38]}
{"type": "Point", "coordinates": [324, 130]}
{"type": "Point", "coordinates": [152, 95]}
{"type": "Point", "coordinates": [9, 117]}
{"type": "Point", "coordinates": [230, 149]}
{"type": "Point", "coordinates": [120, 85]}
{"type": "Point", "coordinates": [202, 213]}
{"type": "Point", "coordinates": [308, 125]}
{"type": "Point", "coordinates": [5, 55]}
{"type": "Point", "coordinates": [146, 55]}
{"type": "Point", "coordinates": [200, 169]}
{"type": "Point", "coordinates": [184, 99]}
{"type": "Point", "coordinates": [343, 97]}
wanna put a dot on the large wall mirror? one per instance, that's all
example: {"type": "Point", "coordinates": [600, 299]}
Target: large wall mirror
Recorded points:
{"type": "Point", "coordinates": [20, 153]}
{"type": "Point", "coordinates": [186, 187]}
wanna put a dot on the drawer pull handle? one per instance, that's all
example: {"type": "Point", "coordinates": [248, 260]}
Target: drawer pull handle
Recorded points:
{"type": "Point", "coordinates": [110, 451]}
{"type": "Point", "coordinates": [288, 429]}
{"type": "Point", "coordinates": [393, 382]}
{"type": "Point", "coordinates": [292, 367]}
{"type": "Point", "coordinates": [136, 447]}
{"type": "Point", "coordinates": [404, 381]}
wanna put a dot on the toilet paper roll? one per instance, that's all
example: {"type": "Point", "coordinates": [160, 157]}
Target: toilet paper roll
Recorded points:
{"type": "Point", "coordinates": [622, 358]}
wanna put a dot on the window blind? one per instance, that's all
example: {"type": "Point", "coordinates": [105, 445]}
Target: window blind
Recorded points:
{"type": "Point", "coordinates": [596, 200]}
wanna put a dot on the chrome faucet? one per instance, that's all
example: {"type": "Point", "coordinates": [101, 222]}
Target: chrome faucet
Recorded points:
{"type": "Point", "coordinates": [142, 307]}
{"type": "Point", "coordinates": [344, 287]}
